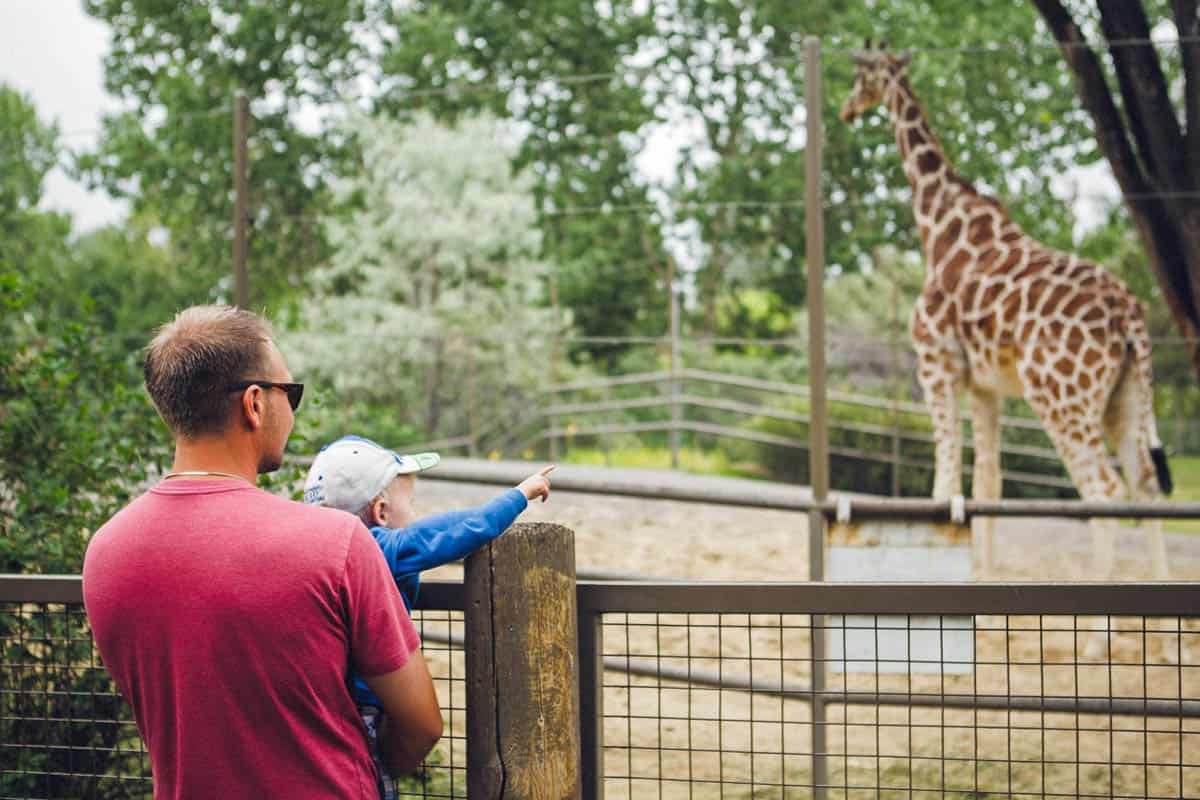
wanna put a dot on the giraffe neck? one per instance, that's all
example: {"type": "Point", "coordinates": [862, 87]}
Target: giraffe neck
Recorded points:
{"type": "Point", "coordinates": [939, 194]}
{"type": "Point", "coordinates": [924, 160]}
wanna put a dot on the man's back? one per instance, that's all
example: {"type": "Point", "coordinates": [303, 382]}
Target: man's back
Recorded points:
{"type": "Point", "coordinates": [230, 619]}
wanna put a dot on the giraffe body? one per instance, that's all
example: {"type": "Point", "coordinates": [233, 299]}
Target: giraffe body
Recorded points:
{"type": "Point", "coordinates": [1001, 314]}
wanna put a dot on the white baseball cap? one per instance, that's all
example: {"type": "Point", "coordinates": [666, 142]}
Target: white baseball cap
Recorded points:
{"type": "Point", "coordinates": [352, 471]}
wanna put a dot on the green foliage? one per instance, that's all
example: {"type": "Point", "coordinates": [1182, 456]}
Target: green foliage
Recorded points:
{"type": "Point", "coordinates": [439, 323]}
{"type": "Point", "coordinates": [28, 150]}
{"type": "Point", "coordinates": [726, 78]}
{"type": "Point", "coordinates": [120, 279]}
{"type": "Point", "coordinates": [178, 65]}
{"type": "Point", "coordinates": [78, 438]}
{"type": "Point", "coordinates": [580, 137]}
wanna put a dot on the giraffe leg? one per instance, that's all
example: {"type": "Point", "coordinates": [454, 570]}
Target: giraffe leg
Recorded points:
{"type": "Point", "coordinates": [1077, 430]}
{"type": "Point", "coordinates": [940, 375]}
{"type": "Point", "coordinates": [1134, 451]}
{"type": "Point", "coordinates": [1129, 422]}
{"type": "Point", "coordinates": [1078, 435]}
{"type": "Point", "coordinates": [1130, 427]}
{"type": "Point", "coordinates": [986, 482]}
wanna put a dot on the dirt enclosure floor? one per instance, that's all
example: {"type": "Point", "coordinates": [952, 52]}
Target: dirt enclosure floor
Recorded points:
{"type": "Point", "coordinates": [714, 542]}
{"type": "Point", "coordinates": [667, 739]}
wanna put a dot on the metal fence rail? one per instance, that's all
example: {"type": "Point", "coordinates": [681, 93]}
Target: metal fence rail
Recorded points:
{"type": "Point", "coordinates": [591, 417]}
{"type": "Point", "coordinates": [704, 690]}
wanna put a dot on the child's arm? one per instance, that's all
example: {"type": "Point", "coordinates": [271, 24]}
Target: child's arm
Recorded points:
{"type": "Point", "coordinates": [442, 538]}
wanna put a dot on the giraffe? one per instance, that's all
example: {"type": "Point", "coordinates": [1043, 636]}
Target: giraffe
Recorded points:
{"type": "Point", "coordinates": [1001, 314]}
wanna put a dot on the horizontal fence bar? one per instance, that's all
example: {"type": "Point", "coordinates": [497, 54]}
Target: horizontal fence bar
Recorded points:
{"type": "Point", "coordinates": [792, 690]}
{"type": "Point", "coordinates": [891, 599]}
{"type": "Point", "coordinates": [776, 387]}
{"type": "Point", "coordinates": [1151, 707]}
{"type": "Point", "coordinates": [882, 431]}
{"type": "Point", "coordinates": [888, 600]}
{"type": "Point", "coordinates": [605, 383]}
{"type": "Point", "coordinates": [834, 396]}
{"type": "Point", "coordinates": [782, 497]}
{"type": "Point", "coordinates": [939, 511]}
{"type": "Point", "coordinates": [713, 429]}
{"type": "Point", "coordinates": [68, 590]}
{"type": "Point", "coordinates": [1180, 599]}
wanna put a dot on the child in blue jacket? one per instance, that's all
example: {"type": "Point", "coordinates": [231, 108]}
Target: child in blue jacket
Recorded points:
{"type": "Point", "coordinates": [357, 475]}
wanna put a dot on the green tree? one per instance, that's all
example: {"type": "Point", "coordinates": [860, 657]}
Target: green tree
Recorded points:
{"type": "Point", "coordinates": [28, 151]}
{"type": "Point", "coordinates": [76, 438]}
{"type": "Point", "coordinates": [433, 304]}
{"type": "Point", "coordinates": [177, 66]}
{"type": "Point", "coordinates": [592, 84]}
{"type": "Point", "coordinates": [1144, 103]}
{"type": "Point", "coordinates": [581, 129]}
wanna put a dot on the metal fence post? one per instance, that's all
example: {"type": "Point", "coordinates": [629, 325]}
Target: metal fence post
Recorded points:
{"type": "Point", "coordinates": [522, 673]}
{"type": "Point", "coordinates": [241, 284]}
{"type": "Point", "coordinates": [894, 364]}
{"type": "Point", "coordinates": [818, 434]}
{"type": "Point", "coordinates": [472, 408]}
{"type": "Point", "coordinates": [676, 416]}
{"type": "Point", "coordinates": [591, 704]}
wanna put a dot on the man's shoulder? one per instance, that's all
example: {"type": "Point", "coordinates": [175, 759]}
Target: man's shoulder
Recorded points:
{"type": "Point", "coordinates": [306, 513]}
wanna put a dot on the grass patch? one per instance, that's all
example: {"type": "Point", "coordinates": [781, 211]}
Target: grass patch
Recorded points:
{"type": "Point", "coordinates": [694, 460]}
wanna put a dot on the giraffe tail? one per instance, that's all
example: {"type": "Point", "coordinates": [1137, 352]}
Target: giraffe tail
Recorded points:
{"type": "Point", "coordinates": [1161, 469]}
{"type": "Point", "coordinates": [1138, 340]}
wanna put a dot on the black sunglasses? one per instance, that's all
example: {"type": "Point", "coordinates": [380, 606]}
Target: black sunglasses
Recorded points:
{"type": "Point", "coordinates": [294, 390]}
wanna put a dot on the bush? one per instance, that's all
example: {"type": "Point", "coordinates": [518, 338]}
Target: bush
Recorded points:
{"type": "Point", "coordinates": [79, 438]}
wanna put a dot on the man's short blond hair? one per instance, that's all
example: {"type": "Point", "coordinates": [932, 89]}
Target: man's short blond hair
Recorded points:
{"type": "Point", "coordinates": [192, 360]}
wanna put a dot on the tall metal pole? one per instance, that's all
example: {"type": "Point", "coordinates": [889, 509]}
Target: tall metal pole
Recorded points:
{"type": "Point", "coordinates": [551, 421]}
{"type": "Point", "coordinates": [894, 364]}
{"type": "Point", "coordinates": [241, 113]}
{"type": "Point", "coordinates": [675, 408]}
{"type": "Point", "coordinates": [818, 434]}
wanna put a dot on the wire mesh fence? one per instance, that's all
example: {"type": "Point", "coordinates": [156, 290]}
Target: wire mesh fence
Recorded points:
{"type": "Point", "coordinates": [66, 732]}
{"type": "Point", "coordinates": [747, 690]}
{"type": "Point", "coordinates": [891, 726]}
{"type": "Point", "coordinates": [920, 704]}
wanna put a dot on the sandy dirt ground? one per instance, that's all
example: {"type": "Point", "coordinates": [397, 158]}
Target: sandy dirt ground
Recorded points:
{"type": "Point", "coordinates": [713, 542]}
{"type": "Point", "coordinates": [672, 740]}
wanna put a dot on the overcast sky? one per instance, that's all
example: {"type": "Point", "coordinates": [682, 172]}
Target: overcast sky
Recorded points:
{"type": "Point", "coordinates": [50, 50]}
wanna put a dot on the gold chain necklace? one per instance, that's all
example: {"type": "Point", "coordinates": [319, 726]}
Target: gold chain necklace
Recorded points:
{"type": "Point", "coordinates": [199, 473]}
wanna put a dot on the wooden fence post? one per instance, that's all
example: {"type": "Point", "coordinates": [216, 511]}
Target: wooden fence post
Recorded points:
{"type": "Point", "coordinates": [522, 666]}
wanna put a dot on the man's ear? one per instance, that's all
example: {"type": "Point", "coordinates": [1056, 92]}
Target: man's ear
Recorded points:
{"type": "Point", "coordinates": [253, 407]}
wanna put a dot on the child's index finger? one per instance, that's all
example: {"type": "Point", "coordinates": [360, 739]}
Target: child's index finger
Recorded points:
{"type": "Point", "coordinates": [546, 470]}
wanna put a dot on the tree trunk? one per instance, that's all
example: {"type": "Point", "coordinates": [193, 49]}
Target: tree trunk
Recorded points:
{"type": "Point", "coordinates": [1152, 157]}
{"type": "Point", "coordinates": [433, 415]}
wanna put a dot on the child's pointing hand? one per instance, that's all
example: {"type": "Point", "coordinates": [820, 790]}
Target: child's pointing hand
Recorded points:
{"type": "Point", "coordinates": [537, 485]}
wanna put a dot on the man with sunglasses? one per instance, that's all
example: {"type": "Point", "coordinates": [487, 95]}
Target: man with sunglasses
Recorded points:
{"type": "Point", "coordinates": [231, 618]}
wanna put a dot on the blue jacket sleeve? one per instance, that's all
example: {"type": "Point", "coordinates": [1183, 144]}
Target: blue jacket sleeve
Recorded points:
{"type": "Point", "coordinates": [442, 538]}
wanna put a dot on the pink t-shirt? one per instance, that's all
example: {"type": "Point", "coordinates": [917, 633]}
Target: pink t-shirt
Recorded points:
{"type": "Point", "coordinates": [230, 619]}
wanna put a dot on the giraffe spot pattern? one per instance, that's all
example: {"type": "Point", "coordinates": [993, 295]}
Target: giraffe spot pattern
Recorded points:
{"type": "Point", "coordinates": [997, 301]}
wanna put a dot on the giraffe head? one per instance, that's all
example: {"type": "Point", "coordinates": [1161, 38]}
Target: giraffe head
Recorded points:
{"type": "Point", "coordinates": [876, 68]}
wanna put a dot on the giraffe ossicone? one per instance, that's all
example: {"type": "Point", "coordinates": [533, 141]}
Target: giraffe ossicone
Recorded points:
{"type": "Point", "coordinates": [1001, 314]}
